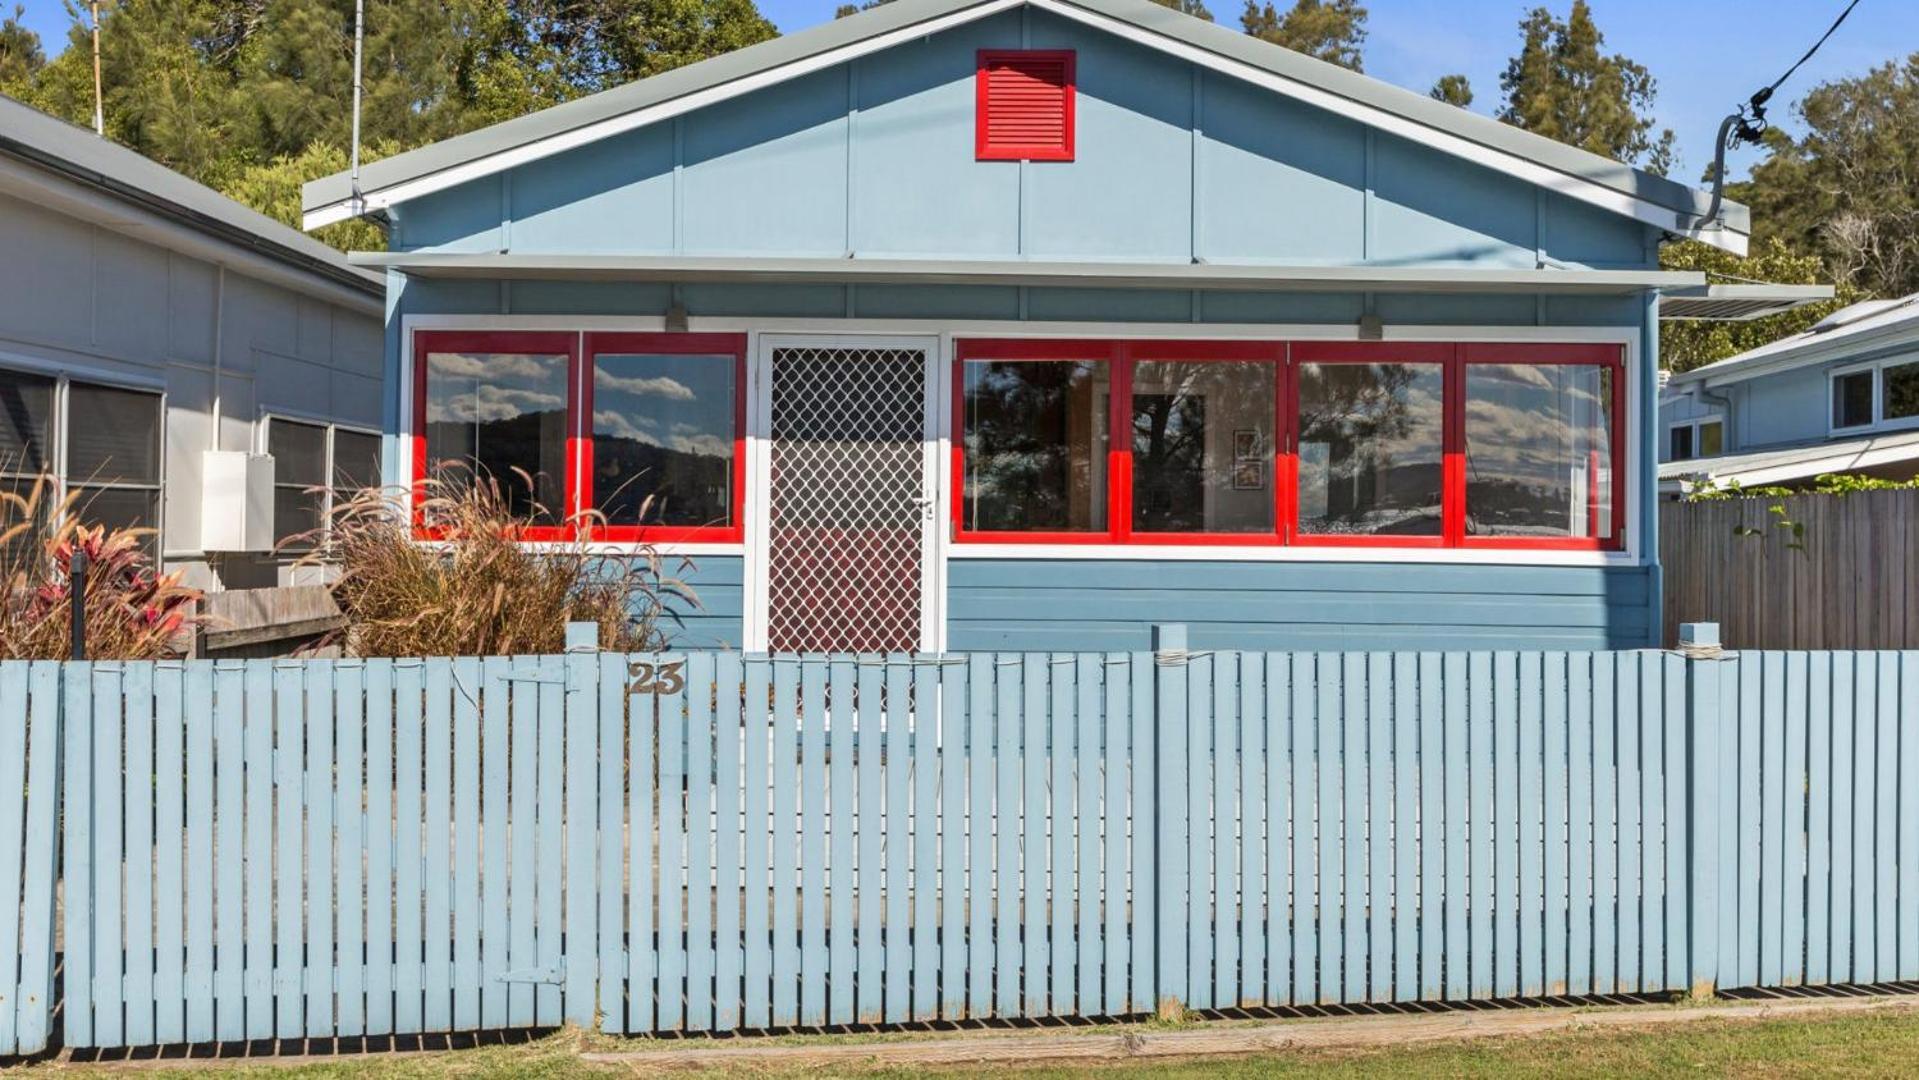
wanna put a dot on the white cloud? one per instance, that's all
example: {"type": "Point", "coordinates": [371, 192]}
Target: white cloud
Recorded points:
{"type": "Point", "coordinates": [657, 386]}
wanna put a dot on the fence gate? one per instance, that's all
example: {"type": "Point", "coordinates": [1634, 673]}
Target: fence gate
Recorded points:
{"type": "Point", "coordinates": [850, 477]}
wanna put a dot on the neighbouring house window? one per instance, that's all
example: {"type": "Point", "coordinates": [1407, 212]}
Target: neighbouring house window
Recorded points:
{"type": "Point", "coordinates": [110, 461]}
{"type": "Point", "coordinates": [1423, 444]}
{"type": "Point", "coordinates": [1035, 446]}
{"type": "Point", "coordinates": [1539, 459]}
{"type": "Point", "coordinates": [1025, 103]}
{"type": "Point", "coordinates": [315, 466]}
{"type": "Point", "coordinates": [1689, 439]}
{"type": "Point", "coordinates": [664, 419]}
{"type": "Point", "coordinates": [26, 449]}
{"type": "Point", "coordinates": [1371, 449]}
{"type": "Point", "coordinates": [642, 440]}
{"type": "Point", "coordinates": [1901, 391]}
{"type": "Point", "coordinates": [1852, 394]}
{"type": "Point", "coordinates": [496, 408]}
{"type": "Point", "coordinates": [1202, 437]}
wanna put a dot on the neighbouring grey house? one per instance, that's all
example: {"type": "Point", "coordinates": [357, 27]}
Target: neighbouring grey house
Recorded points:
{"type": "Point", "coordinates": [159, 341]}
{"type": "Point", "coordinates": [1841, 397]}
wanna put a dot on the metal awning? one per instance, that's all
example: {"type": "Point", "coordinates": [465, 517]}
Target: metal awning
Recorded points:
{"type": "Point", "coordinates": [1737, 303]}
{"type": "Point", "coordinates": [1111, 275]}
{"type": "Point", "coordinates": [1790, 464]}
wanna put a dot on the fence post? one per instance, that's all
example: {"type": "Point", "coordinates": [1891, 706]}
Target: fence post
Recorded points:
{"type": "Point", "coordinates": [1169, 821]}
{"type": "Point", "coordinates": [1709, 935]}
{"type": "Point", "coordinates": [582, 754]}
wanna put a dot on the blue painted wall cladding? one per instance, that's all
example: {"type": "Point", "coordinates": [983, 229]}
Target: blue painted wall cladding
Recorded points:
{"type": "Point", "coordinates": [876, 157]}
{"type": "Point", "coordinates": [1096, 604]}
{"type": "Point", "coordinates": [717, 621]}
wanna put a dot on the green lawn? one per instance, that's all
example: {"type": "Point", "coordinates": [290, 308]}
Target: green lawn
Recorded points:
{"type": "Point", "coordinates": [1863, 1044]}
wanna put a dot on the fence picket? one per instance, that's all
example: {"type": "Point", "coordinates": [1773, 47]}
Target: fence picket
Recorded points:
{"type": "Point", "coordinates": [699, 842]}
{"type": "Point", "coordinates": [169, 861]}
{"type": "Point", "coordinates": [465, 844]}
{"type": "Point", "coordinates": [496, 709]}
{"type": "Point", "coordinates": [841, 969]}
{"type": "Point", "coordinates": [33, 992]}
{"type": "Point", "coordinates": [925, 864]}
{"type": "Point", "coordinates": [955, 830]}
{"type": "Point", "coordinates": [349, 814]}
{"type": "Point", "coordinates": [14, 829]}
{"type": "Point", "coordinates": [897, 768]}
{"type": "Point", "coordinates": [317, 798]}
{"type": "Point", "coordinates": [672, 841]}
{"type": "Point", "coordinates": [381, 957]}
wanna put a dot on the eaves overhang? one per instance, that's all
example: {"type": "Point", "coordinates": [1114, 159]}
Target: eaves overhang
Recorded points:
{"type": "Point", "coordinates": [1026, 273]}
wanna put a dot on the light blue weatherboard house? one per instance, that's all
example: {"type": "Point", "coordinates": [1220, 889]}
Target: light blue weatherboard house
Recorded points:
{"type": "Point", "coordinates": [1029, 324]}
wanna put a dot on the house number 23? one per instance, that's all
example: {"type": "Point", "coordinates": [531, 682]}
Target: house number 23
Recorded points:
{"type": "Point", "coordinates": [652, 679]}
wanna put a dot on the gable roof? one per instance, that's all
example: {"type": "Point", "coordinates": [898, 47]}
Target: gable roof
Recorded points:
{"type": "Point", "coordinates": [1851, 333]}
{"type": "Point", "coordinates": [82, 157]}
{"type": "Point", "coordinates": [1657, 201]}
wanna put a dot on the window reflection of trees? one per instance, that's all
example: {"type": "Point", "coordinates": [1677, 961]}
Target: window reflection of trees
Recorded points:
{"type": "Point", "coordinates": [1538, 450]}
{"type": "Point", "coordinates": [1034, 443]}
{"type": "Point", "coordinates": [1381, 428]}
{"type": "Point", "coordinates": [1183, 417]}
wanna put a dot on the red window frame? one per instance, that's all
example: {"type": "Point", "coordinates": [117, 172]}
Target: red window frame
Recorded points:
{"type": "Point", "coordinates": [496, 341]}
{"type": "Point", "coordinates": [1444, 354]}
{"type": "Point", "coordinates": [598, 342]}
{"type": "Point", "coordinates": [577, 485]}
{"type": "Point", "coordinates": [1041, 349]}
{"type": "Point", "coordinates": [984, 148]}
{"type": "Point", "coordinates": [1455, 358]}
{"type": "Point", "coordinates": [1609, 357]}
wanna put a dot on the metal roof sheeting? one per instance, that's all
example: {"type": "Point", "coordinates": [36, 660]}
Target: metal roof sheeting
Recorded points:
{"type": "Point", "coordinates": [1845, 334]}
{"type": "Point", "coordinates": [468, 156]}
{"type": "Point", "coordinates": [1785, 465]}
{"type": "Point", "coordinates": [1738, 303]}
{"type": "Point", "coordinates": [83, 157]}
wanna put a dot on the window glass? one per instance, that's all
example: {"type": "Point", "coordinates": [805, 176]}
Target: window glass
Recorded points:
{"type": "Point", "coordinates": [113, 435]}
{"type": "Point", "coordinates": [1538, 450]}
{"type": "Point", "coordinates": [1680, 438]}
{"type": "Point", "coordinates": [299, 453]}
{"type": "Point", "coordinates": [26, 415]}
{"type": "Point", "coordinates": [120, 508]}
{"type": "Point", "coordinates": [1036, 443]}
{"type": "Point", "coordinates": [1902, 392]}
{"type": "Point", "coordinates": [299, 467]}
{"type": "Point", "coordinates": [1712, 438]}
{"type": "Point", "coordinates": [1202, 447]}
{"type": "Point", "coordinates": [1371, 449]}
{"type": "Point", "coordinates": [663, 439]}
{"type": "Point", "coordinates": [356, 461]}
{"type": "Point", "coordinates": [1852, 399]}
{"type": "Point", "coordinates": [500, 415]}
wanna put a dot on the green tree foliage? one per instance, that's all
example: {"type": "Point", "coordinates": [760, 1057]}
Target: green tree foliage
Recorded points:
{"type": "Point", "coordinates": [1453, 90]}
{"type": "Point", "coordinates": [21, 56]}
{"type": "Point", "coordinates": [1684, 345]}
{"type": "Point", "coordinates": [1331, 30]}
{"type": "Point", "coordinates": [1563, 85]}
{"type": "Point", "coordinates": [1848, 189]}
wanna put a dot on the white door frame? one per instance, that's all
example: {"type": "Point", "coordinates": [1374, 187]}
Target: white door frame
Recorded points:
{"type": "Point", "coordinates": [934, 453]}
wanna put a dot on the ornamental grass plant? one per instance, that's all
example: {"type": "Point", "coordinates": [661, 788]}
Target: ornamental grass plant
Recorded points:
{"type": "Point", "coordinates": [456, 575]}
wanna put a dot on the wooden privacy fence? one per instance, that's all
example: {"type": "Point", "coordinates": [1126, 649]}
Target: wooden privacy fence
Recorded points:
{"type": "Point", "coordinates": [1846, 578]}
{"type": "Point", "coordinates": [708, 842]}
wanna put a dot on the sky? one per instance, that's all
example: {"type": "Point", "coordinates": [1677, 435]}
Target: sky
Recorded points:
{"type": "Point", "coordinates": [1707, 55]}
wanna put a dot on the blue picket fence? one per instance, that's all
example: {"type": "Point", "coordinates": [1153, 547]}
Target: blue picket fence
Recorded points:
{"type": "Point", "coordinates": [710, 841]}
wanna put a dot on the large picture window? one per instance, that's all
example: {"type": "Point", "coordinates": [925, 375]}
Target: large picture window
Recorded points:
{"type": "Point", "coordinates": [1309, 443]}
{"type": "Point", "coordinates": [619, 437]}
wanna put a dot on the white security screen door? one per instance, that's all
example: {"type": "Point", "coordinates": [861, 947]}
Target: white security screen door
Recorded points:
{"type": "Point", "coordinates": [844, 552]}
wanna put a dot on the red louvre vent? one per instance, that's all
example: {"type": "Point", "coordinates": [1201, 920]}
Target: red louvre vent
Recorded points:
{"type": "Point", "coordinates": [1025, 105]}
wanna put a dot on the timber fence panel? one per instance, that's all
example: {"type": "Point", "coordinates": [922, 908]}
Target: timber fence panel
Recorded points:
{"type": "Point", "coordinates": [710, 842]}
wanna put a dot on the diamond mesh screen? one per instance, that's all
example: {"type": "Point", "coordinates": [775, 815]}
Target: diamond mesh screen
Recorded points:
{"type": "Point", "coordinates": [844, 503]}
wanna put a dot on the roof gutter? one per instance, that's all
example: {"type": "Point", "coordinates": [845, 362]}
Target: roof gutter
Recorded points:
{"type": "Point", "coordinates": [231, 234]}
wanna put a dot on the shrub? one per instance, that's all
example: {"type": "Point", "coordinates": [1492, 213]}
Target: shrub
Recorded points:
{"type": "Point", "coordinates": [133, 612]}
{"type": "Point", "coordinates": [476, 589]}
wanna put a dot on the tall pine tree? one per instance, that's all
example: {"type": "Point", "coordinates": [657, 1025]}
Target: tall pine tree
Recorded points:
{"type": "Point", "coordinates": [1331, 30]}
{"type": "Point", "coordinates": [1563, 85]}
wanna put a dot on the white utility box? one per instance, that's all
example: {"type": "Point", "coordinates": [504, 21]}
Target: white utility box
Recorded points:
{"type": "Point", "coordinates": [236, 503]}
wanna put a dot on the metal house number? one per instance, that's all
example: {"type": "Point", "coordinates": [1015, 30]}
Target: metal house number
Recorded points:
{"type": "Point", "coordinates": [660, 679]}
